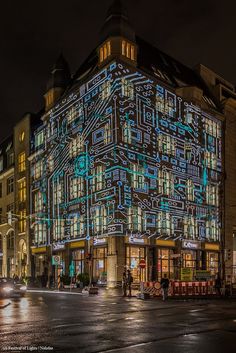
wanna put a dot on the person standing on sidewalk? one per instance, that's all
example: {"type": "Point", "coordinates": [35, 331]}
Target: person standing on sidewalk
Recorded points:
{"type": "Point", "coordinates": [165, 287]}
{"type": "Point", "coordinates": [129, 282]}
{"type": "Point", "coordinates": [124, 283]}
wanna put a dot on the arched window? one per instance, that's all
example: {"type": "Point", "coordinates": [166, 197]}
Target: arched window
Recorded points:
{"type": "Point", "coordinates": [10, 240]}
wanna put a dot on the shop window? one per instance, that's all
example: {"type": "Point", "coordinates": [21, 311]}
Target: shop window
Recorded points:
{"type": "Point", "coordinates": [100, 265]}
{"type": "Point", "coordinates": [165, 264]}
{"type": "Point", "coordinates": [213, 262]}
{"type": "Point", "coordinates": [21, 162]}
{"type": "Point", "coordinates": [189, 259]}
{"type": "Point", "coordinates": [105, 51]}
{"type": "Point", "coordinates": [133, 256]}
{"type": "Point", "coordinates": [78, 259]}
{"type": "Point", "coordinates": [10, 185]}
{"type": "Point", "coordinates": [22, 190]}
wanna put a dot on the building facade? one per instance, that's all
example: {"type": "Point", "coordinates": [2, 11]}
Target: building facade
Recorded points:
{"type": "Point", "coordinates": [128, 165]}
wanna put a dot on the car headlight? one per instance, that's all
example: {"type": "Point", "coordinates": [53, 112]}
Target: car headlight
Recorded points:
{"type": "Point", "coordinates": [23, 288]}
{"type": "Point", "coordinates": [7, 289]}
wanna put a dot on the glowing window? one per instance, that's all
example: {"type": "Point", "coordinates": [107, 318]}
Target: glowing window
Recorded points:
{"type": "Point", "coordinates": [21, 162]}
{"type": "Point", "coordinates": [127, 88]}
{"type": "Point", "coordinates": [22, 190]}
{"type": "Point", "coordinates": [128, 50]}
{"type": "Point", "coordinates": [105, 51]}
{"type": "Point", "coordinates": [22, 136]}
{"type": "Point", "coordinates": [22, 221]}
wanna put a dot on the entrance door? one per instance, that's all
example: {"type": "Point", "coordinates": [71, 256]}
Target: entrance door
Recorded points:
{"type": "Point", "coordinates": [133, 256]}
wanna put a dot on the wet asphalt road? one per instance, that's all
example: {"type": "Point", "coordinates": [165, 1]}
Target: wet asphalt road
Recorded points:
{"type": "Point", "coordinates": [43, 322]}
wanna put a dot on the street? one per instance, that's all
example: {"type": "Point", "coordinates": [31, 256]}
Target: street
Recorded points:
{"type": "Point", "coordinates": [110, 323]}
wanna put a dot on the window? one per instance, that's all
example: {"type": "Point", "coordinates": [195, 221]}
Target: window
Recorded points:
{"type": "Point", "coordinates": [127, 132]}
{"type": "Point", "coordinates": [138, 176]}
{"type": "Point", "coordinates": [127, 88]}
{"type": "Point", "coordinates": [75, 113]}
{"type": "Point", "coordinates": [135, 219]}
{"type": "Point", "coordinates": [99, 216]}
{"type": "Point", "coordinates": [128, 50]}
{"type": "Point", "coordinates": [190, 190]}
{"type": "Point", "coordinates": [165, 224]}
{"type": "Point", "coordinates": [40, 232]}
{"type": "Point", "coordinates": [133, 256]}
{"type": "Point", "coordinates": [10, 159]}
{"type": "Point", "coordinates": [38, 202]}
{"type": "Point", "coordinates": [1, 163]}
{"type": "Point", "coordinates": [212, 195]}
{"type": "Point", "coordinates": [38, 169]}
{"type": "Point", "coordinates": [160, 103]}
{"type": "Point", "coordinates": [105, 51]}
{"type": "Point", "coordinates": [50, 163]}
{"type": "Point", "coordinates": [210, 160]}
{"type": "Point", "coordinates": [106, 90]}
{"type": "Point", "coordinates": [98, 178]}
{"type": "Point", "coordinates": [107, 134]}
{"type": "Point", "coordinates": [21, 162]}
{"type": "Point", "coordinates": [190, 227]}
{"type": "Point", "coordinates": [58, 229]}
{"type": "Point", "coordinates": [22, 221]}
{"type": "Point", "coordinates": [39, 139]}
{"type": "Point", "coordinates": [77, 226]}
{"type": "Point", "coordinates": [58, 192]}
{"type": "Point", "coordinates": [22, 190]}
{"type": "Point", "coordinates": [21, 136]}
{"type": "Point", "coordinates": [166, 182]}
{"type": "Point", "coordinates": [76, 187]}
{"type": "Point", "coordinates": [10, 240]}
{"type": "Point", "coordinates": [166, 144]}
{"type": "Point", "coordinates": [10, 185]}
{"type": "Point", "coordinates": [76, 146]}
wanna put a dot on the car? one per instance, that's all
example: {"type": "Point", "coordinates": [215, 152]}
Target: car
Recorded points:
{"type": "Point", "coordinates": [10, 287]}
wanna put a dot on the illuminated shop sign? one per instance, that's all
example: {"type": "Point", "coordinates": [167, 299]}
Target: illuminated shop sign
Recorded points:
{"type": "Point", "coordinates": [58, 246]}
{"type": "Point", "coordinates": [191, 244]}
{"type": "Point", "coordinates": [99, 241]}
{"type": "Point", "coordinates": [136, 240]}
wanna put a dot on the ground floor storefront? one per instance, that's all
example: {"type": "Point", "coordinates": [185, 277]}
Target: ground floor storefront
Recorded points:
{"type": "Point", "coordinates": [104, 259]}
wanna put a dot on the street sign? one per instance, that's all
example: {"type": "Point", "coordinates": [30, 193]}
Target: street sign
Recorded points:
{"type": "Point", "coordinates": [142, 263]}
{"type": "Point", "coordinates": [56, 260]}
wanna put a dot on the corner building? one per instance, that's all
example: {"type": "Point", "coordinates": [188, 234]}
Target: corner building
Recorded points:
{"type": "Point", "coordinates": [127, 164]}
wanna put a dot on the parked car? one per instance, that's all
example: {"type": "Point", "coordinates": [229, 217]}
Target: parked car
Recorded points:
{"type": "Point", "coordinates": [10, 287]}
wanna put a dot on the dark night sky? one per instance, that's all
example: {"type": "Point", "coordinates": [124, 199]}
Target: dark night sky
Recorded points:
{"type": "Point", "coordinates": [33, 33]}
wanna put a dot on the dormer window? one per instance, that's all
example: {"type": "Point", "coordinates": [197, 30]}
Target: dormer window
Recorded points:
{"type": "Point", "coordinates": [128, 50]}
{"type": "Point", "coordinates": [105, 51]}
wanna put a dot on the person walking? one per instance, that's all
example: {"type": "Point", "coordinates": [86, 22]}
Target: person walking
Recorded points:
{"type": "Point", "coordinates": [124, 283]}
{"type": "Point", "coordinates": [129, 282]}
{"type": "Point", "coordinates": [165, 287]}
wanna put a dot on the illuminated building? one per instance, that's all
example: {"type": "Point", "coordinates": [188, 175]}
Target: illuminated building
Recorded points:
{"type": "Point", "coordinates": [127, 164]}
{"type": "Point", "coordinates": [7, 232]}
